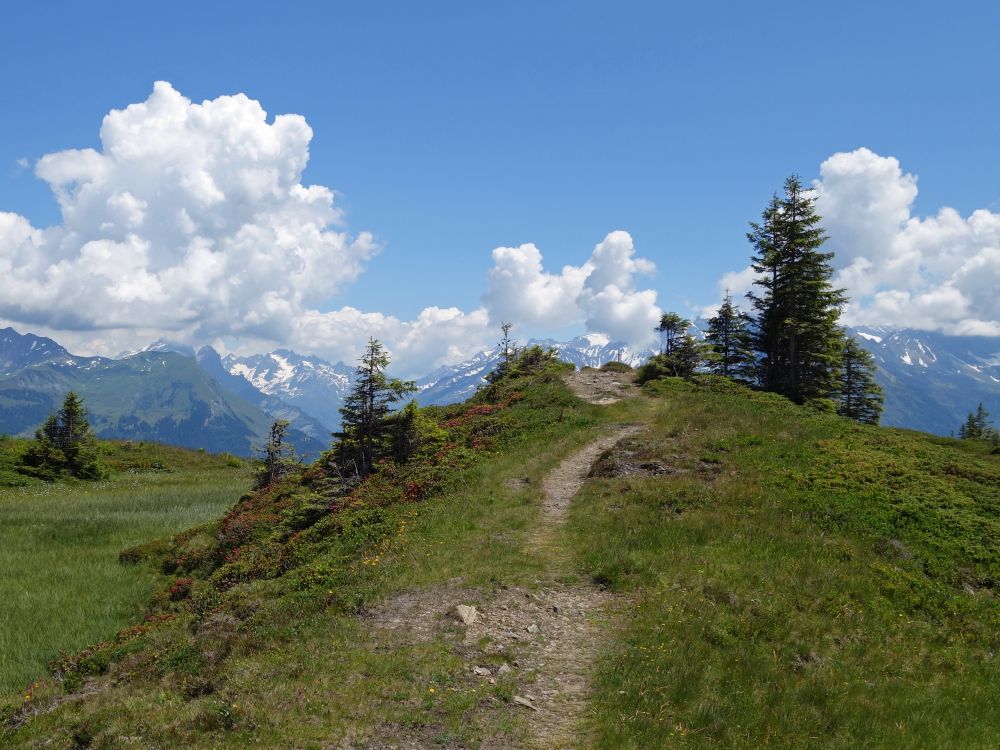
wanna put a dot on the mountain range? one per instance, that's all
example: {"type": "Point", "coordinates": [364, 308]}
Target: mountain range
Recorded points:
{"type": "Point", "coordinates": [154, 395]}
{"type": "Point", "coordinates": [171, 393]}
{"type": "Point", "coordinates": [932, 381]}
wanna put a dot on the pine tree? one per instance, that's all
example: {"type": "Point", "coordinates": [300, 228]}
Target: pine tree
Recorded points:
{"type": "Point", "coordinates": [366, 411]}
{"type": "Point", "coordinates": [64, 444]}
{"type": "Point", "coordinates": [508, 353]}
{"type": "Point", "coordinates": [977, 426]}
{"type": "Point", "coordinates": [860, 397]}
{"type": "Point", "coordinates": [766, 241]}
{"type": "Point", "coordinates": [798, 338]}
{"type": "Point", "coordinates": [277, 459]}
{"type": "Point", "coordinates": [679, 355]}
{"type": "Point", "coordinates": [731, 343]}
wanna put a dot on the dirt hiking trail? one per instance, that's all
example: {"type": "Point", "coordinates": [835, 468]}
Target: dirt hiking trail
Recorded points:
{"type": "Point", "coordinates": [548, 638]}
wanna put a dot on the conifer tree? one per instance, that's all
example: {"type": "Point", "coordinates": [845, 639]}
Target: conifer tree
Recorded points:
{"type": "Point", "coordinates": [64, 444]}
{"type": "Point", "coordinates": [797, 334]}
{"type": "Point", "coordinates": [679, 355]}
{"type": "Point", "coordinates": [731, 343]}
{"type": "Point", "coordinates": [977, 426]}
{"type": "Point", "coordinates": [366, 411]}
{"type": "Point", "coordinates": [277, 459]}
{"type": "Point", "coordinates": [860, 397]}
{"type": "Point", "coordinates": [507, 347]}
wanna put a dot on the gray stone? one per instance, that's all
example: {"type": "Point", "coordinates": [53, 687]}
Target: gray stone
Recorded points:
{"type": "Point", "coordinates": [521, 701]}
{"type": "Point", "coordinates": [466, 613]}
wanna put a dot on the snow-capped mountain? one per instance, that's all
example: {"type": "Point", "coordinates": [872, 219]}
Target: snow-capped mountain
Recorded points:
{"type": "Point", "coordinates": [211, 364]}
{"type": "Point", "coordinates": [453, 383]}
{"type": "Point", "coordinates": [157, 395]}
{"type": "Point", "coordinates": [23, 350]}
{"type": "Point", "coordinates": [160, 345]}
{"type": "Point", "coordinates": [932, 381]}
{"type": "Point", "coordinates": [594, 349]}
{"type": "Point", "coordinates": [309, 383]}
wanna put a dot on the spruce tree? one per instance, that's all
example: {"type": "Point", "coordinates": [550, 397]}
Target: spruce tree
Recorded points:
{"type": "Point", "coordinates": [977, 426]}
{"type": "Point", "coordinates": [507, 347]}
{"type": "Point", "coordinates": [64, 444]}
{"type": "Point", "coordinates": [766, 240]}
{"type": "Point", "coordinates": [679, 355]}
{"type": "Point", "coordinates": [860, 397]}
{"type": "Point", "coordinates": [798, 338]}
{"type": "Point", "coordinates": [277, 459]}
{"type": "Point", "coordinates": [731, 343]}
{"type": "Point", "coordinates": [366, 411]}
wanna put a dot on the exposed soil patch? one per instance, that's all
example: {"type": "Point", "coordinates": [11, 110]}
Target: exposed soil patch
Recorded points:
{"type": "Point", "coordinates": [627, 458]}
{"type": "Point", "coordinates": [630, 458]}
{"type": "Point", "coordinates": [542, 642]}
{"type": "Point", "coordinates": [601, 388]}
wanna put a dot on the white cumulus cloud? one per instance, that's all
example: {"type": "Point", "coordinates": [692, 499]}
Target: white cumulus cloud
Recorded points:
{"type": "Point", "coordinates": [189, 217]}
{"type": "Point", "coordinates": [601, 293]}
{"type": "Point", "coordinates": [191, 222]}
{"type": "Point", "coordinates": [938, 272]}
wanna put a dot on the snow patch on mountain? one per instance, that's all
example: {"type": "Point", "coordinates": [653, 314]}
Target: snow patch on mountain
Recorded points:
{"type": "Point", "coordinates": [307, 382]}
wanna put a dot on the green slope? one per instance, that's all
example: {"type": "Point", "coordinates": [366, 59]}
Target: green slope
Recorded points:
{"type": "Point", "coordinates": [787, 579]}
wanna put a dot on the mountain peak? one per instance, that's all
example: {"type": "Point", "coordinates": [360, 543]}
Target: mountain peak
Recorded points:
{"type": "Point", "coordinates": [19, 350]}
{"type": "Point", "coordinates": [161, 345]}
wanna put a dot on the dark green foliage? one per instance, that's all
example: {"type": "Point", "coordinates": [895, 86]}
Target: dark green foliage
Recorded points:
{"type": "Point", "coordinates": [860, 397]}
{"type": "Point", "coordinates": [527, 362]}
{"type": "Point", "coordinates": [414, 433]}
{"type": "Point", "coordinates": [797, 335]}
{"type": "Point", "coordinates": [64, 445]}
{"type": "Point", "coordinates": [614, 366]}
{"type": "Point", "coordinates": [277, 458]}
{"type": "Point", "coordinates": [366, 413]}
{"type": "Point", "coordinates": [508, 352]}
{"type": "Point", "coordinates": [977, 426]}
{"type": "Point", "coordinates": [679, 355]}
{"type": "Point", "coordinates": [730, 340]}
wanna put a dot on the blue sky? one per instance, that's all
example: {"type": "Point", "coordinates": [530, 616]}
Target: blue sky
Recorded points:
{"type": "Point", "coordinates": [448, 129]}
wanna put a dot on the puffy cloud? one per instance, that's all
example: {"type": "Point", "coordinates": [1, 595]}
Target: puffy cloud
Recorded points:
{"type": "Point", "coordinates": [520, 290]}
{"type": "Point", "coordinates": [600, 293]}
{"type": "Point", "coordinates": [938, 272]}
{"type": "Point", "coordinates": [435, 337]}
{"type": "Point", "coordinates": [735, 283]}
{"type": "Point", "coordinates": [189, 217]}
{"type": "Point", "coordinates": [609, 298]}
{"type": "Point", "coordinates": [191, 222]}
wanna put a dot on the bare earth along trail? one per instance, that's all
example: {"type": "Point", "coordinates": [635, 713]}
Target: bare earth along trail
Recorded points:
{"type": "Point", "coordinates": [553, 634]}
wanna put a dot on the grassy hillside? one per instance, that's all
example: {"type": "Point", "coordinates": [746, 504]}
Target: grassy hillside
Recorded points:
{"type": "Point", "coordinates": [63, 587]}
{"type": "Point", "coordinates": [800, 581]}
{"type": "Point", "coordinates": [781, 579]}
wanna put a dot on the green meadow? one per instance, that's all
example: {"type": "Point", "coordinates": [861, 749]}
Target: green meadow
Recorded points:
{"type": "Point", "coordinates": [62, 586]}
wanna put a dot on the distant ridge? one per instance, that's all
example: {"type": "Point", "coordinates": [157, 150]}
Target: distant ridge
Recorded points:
{"type": "Point", "coordinates": [154, 395]}
{"type": "Point", "coordinates": [931, 380]}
